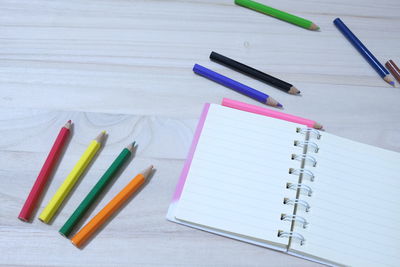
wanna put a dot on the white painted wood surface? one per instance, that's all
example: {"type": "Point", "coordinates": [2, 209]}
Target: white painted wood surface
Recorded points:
{"type": "Point", "coordinates": [93, 60]}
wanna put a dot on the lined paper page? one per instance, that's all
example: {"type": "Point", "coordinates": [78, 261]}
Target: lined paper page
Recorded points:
{"type": "Point", "coordinates": [236, 182]}
{"type": "Point", "coordinates": [354, 217]}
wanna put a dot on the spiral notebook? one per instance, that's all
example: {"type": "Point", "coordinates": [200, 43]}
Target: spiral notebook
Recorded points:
{"type": "Point", "coordinates": [291, 188]}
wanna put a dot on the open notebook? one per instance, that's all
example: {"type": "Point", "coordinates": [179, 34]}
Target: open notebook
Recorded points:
{"type": "Point", "coordinates": [284, 186]}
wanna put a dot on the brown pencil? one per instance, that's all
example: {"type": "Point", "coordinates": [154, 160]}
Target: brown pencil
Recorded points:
{"type": "Point", "coordinates": [392, 67]}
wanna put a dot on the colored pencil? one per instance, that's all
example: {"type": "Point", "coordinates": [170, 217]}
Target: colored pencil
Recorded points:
{"type": "Point", "coordinates": [307, 24]}
{"type": "Point", "coordinates": [96, 191]}
{"type": "Point", "coordinates": [62, 192]}
{"type": "Point", "coordinates": [100, 218]}
{"type": "Point", "coordinates": [392, 67]}
{"type": "Point", "coordinates": [368, 56]}
{"type": "Point", "coordinates": [236, 86]}
{"type": "Point", "coordinates": [44, 174]}
{"type": "Point", "coordinates": [270, 113]}
{"type": "Point", "coordinates": [277, 83]}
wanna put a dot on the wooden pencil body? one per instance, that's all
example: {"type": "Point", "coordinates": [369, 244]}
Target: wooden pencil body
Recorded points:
{"type": "Point", "coordinates": [69, 182]}
{"type": "Point", "coordinates": [97, 221]}
{"type": "Point", "coordinates": [44, 174]}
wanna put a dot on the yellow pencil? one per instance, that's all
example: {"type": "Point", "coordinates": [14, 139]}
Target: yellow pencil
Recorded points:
{"type": "Point", "coordinates": [69, 182]}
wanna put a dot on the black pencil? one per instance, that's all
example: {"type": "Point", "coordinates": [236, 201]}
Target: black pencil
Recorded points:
{"type": "Point", "coordinates": [259, 75]}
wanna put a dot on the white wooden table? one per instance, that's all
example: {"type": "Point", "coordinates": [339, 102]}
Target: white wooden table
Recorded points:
{"type": "Point", "coordinates": [92, 61]}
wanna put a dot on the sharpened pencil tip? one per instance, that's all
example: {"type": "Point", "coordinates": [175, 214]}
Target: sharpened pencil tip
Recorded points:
{"type": "Point", "coordinates": [147, 171]}
{"type": "Point", "coordinates": [68, 124]}
{"type": "Point", "coordinates": [279, 105]}
{"type": "Point", "coordinates": [131, 146]}
{"type": "Point", "coordinates": [318, 126]}
{"type": "Point", "coordinates": [293, 91]}
{"type": "Point", "coordinates": [100, 137]}
{"type": "Point", "coordinates": [390, 80]}
{"type": "Point", "coordinates": [314, 27]}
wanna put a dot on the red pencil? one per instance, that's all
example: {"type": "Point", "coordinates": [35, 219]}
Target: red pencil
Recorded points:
{"type": "Point", "coordinates": [44, 174]}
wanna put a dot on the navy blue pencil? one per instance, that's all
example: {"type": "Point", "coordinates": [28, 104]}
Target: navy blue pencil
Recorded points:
{"type": "Point", "coordinates": [236, 86]}
{"type": "Point", "coordinates": [381, 70]}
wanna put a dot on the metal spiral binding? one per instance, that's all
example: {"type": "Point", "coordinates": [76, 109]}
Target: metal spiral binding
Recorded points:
{"type": "Point", "coordinates": [307, 158]}
{"type": "Point", "coordinates": [288, 201]}
{"type": "Point", "coordinates": [308, 143]}
{"type": "Point", "coordinates": [312, 132]}
{"type": "Point", "coordinates": [300, 219]}
{"type": "Point", "coordinates": [292, 235]}
{"type": "Point", "coordinates": [301, 187]}
{"type": "Point", "coordinates": [307, 173]}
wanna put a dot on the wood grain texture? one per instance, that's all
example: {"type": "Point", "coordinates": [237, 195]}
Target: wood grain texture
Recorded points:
{"type": "Point", "coordinates": [91, 61]}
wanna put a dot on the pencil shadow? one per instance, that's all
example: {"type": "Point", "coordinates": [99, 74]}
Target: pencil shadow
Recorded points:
{"type": "Point", "coordinates": [101, 196]}
{"type": "Point", "coordinates": [68, 197]}
{"type": "Point", "coordinates": [51, 176]}
{"type": "Point", "coordinates": [119, 210]}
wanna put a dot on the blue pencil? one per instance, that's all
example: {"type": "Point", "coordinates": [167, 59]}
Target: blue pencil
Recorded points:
{"type": "Point", "coordinates": [236, 86]}
{"type": "Point", "coordinates": [381, 70]}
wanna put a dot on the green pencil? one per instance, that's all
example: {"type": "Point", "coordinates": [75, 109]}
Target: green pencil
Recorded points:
{"type": "Point", "coordinates": [278, 14]}
{"type": "Point", "coordinates": [96, 191]}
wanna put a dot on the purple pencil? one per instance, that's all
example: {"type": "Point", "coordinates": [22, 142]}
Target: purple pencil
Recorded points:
{"type": "Point", "coordinates": [236, 86]}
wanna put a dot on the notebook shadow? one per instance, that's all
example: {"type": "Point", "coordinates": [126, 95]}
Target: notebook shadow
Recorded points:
{"type": "Point", "coordinates": [68, 197]}
{"type": "Point", "coordinates": [51, 176]}
{"type": "Point", "coordinates": [149, 178]}
{"type": "Point", "coordinates": [102, 195]}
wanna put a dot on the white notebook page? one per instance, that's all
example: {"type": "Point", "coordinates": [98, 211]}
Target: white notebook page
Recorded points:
{"type": "Point", "coordinates": [354, 217]}
{"type": "Point", "coordinates": [236, 182]}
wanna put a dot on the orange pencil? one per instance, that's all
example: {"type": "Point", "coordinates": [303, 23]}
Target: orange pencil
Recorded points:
{"type": "Point", "coordinates": [90, 228]}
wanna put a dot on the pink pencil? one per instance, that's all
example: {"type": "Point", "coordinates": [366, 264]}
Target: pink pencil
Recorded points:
{"type": "Point", "coordinates": [269, 112]}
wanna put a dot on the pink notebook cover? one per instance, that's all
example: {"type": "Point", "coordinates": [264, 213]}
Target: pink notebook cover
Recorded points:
{"type": "Point", "coordinates": [188, 162]}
